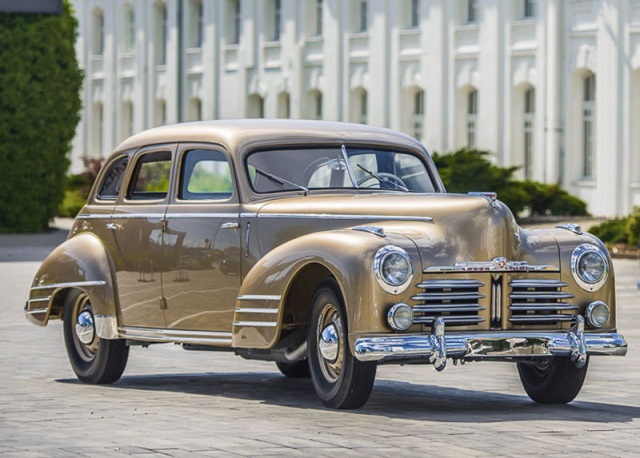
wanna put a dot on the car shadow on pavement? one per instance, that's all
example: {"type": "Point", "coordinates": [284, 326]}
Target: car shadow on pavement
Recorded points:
{"type": "Point", "coordinates": [393, 399]}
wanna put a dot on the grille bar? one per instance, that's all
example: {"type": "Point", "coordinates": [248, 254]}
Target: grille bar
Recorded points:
{"type": "Point", "coordinates": [447, 296]}
{"type": "Point", "coordinates": [540, 295]}
{"type": "Point", "coordinates": [542, 306]}
{"type": "Point", "coordinates": [453, 284]}
{"type": "Point", "coordinates": [456, 301]}
{"type": "Point", "coordinates": [456, 319]}
{"type": "Point", "coordinates": [537, 283]}
{"type": "Point", "coordinates": [448, 308]}
{"type": "Point", "coordinates": [540, 318]}
{"type": "Point", "coordinates": [540, 301]}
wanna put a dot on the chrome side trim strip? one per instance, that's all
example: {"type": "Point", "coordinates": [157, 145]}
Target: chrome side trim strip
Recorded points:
{"type": "Point", "coordinates": [202, 215]}
{"type": "Point", "coordinates": [264, 324]}
{"type": "Point", "coordinates": [69, 285]}
{"type": "Point", "coordinates": [423, 219]}
{"type": "Point", "coordinates": [36, 311]}
{"type": "Point", "coordinates": [176, 332]}
{"type": "Point", "coordinates": [177, 336]}
{"type": "Point", "coordinates": [259, 297]}
{"type": "Point", "coordinates": [248, 215]}
{"type": "Point", "coordinates": [40, 299]}
{"type": "Point", "coordinates": [256, 310]}
{"type": "Point", "coordinates": [92, 216]}
{"type": "Point", "coordinates": [106, 326]}
{"type": "Point", "coordinates": [138, 215]}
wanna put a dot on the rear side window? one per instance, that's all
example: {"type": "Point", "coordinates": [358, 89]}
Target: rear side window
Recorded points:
{"type": "Point", "coordinates": [151, 176]}
{"type": "Point", "coordinates": [205, 175]}
{"type": "Point", "coordinates": [110, 187]}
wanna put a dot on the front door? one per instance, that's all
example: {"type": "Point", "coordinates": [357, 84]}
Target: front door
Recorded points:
{"type": "Point", "coordinates": [201, 249]}
{"type": "Point", "coordinates": [137, 223]}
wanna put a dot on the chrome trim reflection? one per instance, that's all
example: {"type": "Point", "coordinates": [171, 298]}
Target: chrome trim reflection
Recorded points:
{"type": "Point", "coordinates": [106, 326]}
{"type": "Point", "coordinates": [256, 310]}
{"type": "Point", "coordinates": [36, 311]}
{"type": "Point", "coordinates": [138, 216]}
{"type": "Point", "coordinates": [202, 215]}
{"type": "Point", "coordinates": [423, 219]}
{"type": "Point", "coordinates": [175, 336]}
{"type": "Point", "coordinates": [378, 261]}
{"type": "Point", "coordinates": [40, 299]}
{"type": "Point", "coordinates": [575, 228]}
{"type": "Point", "coordinates": [375, 230]}
{"type": "Point", "coordinates": [265, 324]}
{"type": "Point", "coordinates": [69, 285]}
{"type": "Point", "coordinates": [258, 297]}
{"type": "Point", "coordinates": [495, 265]}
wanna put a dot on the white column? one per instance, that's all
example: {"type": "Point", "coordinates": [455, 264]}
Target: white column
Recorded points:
{"type": "Point", "coordinates": [554, 66]}
{"type": "Point", "coordinates": [491, 77]}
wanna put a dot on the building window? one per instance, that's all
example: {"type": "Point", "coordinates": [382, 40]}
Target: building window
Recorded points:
{"type": "Point", "coordinates": [364, 19]}
{"type": "Point", "coordinates": [128, 120]}
{"type": "Point", "coordinates": [472, 11]}
{"type": "Point", "coordinates": [98, 129]}
{"type": "Point", "coordinates": [162, 34]}
{"type": "Point", "coordinates": [255, 106]}
{"type": "Point", "coordinates": [415, 14]}
{"type": "Point", "coordinates": [236, 23]}
{"type": "Point", "coordinates": [198, 19]}
{"type": "Point", "coordinates": [472, 118]}
{"type": "Point", "coordinates": [195, 110]}
{"type": "Point", "coordinates": [98, 33]}
{"type": "Point", "coordinates": [530, 9]}
{"type": "Point", "coordinates": [319, 9]}
{"type": "Point", "coordinates": [588, 125]}
{"type": "Point", "coordinates": [277, 19]}
{"type": "Point", "coordinates": [128, 30]}
{"type": "Point", "coordinates": [315, 111]}
{"type": "Point", "coordinates": [529, 131]}
{"type": "Point", "coordinates": [417, 115]}
{"type": "Point", "coordinates": [161, 113]}
{"type": "Point", "coordinates": [284, 105]}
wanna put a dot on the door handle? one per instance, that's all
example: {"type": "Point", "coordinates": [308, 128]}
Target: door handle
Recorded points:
{"type": "Point", "coordinates": [113, 226]}
{"type": "Point", "coordinates": [229, 226]}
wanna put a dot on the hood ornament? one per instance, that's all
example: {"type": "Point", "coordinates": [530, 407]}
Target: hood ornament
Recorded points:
{"type": "Point", "coordinates": [498, 264]}
{"type": "Point", "coordinates": [490, 197]}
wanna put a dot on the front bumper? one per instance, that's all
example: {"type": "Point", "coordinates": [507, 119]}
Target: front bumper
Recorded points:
{"type": "Point", "coordinates": [437, 347]}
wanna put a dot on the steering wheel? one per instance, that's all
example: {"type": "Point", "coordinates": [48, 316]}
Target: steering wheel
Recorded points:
{"type": "Point", "coordinates": [392, 179]}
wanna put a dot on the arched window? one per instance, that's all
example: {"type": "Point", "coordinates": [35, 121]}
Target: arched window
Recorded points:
{"type": "Point", "coordinates": [161, 33]}
{"type": "Point", "coordinates": [529, 130]}
{"type": "Point", "coordinates": [128, 120]}
{"type": "Point", "coordinates": [472, 117]}
{"type": "Point", "coordinates": [284, 105]}
{"type": "Point", "coordinates": [161, 113]}
{"type": "Point", "coordinates": [97, 130]}
{"type": "Point", "coordinates": [255, 106]}
{"type": "Point", "coordinates": [530, 9]}
{"type": "Point", "coordinates": [128, 29]}
{"type": "Point", "coordinates": [315, 105]}
{"type": "Point", "coordinates": [359, 111]}
{"type": "Point", "coordinates": [98, 32]}
{"type": "Point", "coordinates": [588, 124]}
{"type": "Point", "coordinates": [195, 109]}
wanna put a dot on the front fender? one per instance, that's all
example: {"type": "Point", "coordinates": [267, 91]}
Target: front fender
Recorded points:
{"type": "Point", "coordinates": [81, 263]}
{"type": "Point", "coordinates": [346, 254]}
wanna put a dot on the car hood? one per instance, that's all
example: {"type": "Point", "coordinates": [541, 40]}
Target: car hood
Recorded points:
{"type": "Point", "coordinates": [446, 228]}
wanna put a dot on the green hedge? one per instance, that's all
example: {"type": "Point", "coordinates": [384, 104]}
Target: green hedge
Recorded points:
{"type": "Point", "coordinates": [468, 170]}
{"type": "Point", "coordinates": [78, 187]}
{"type": "Point", "coordinates": [621, 230]}
{"type": "Point", "coordinates": [39, 111]}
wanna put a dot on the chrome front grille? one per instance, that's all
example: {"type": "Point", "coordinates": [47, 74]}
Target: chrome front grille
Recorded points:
{"type": "Point", "coordinates": [540, 301]}
{"type": "Point", "coordinates": [455, 301]}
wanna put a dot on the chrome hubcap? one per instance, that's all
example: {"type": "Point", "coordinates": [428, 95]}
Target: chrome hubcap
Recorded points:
{"type": "Point", "coordinates": [330, 336]}
{"type": "Point", "coordinates": [329, 343]}
{"type": "Point", "coordinates": [85, 329]}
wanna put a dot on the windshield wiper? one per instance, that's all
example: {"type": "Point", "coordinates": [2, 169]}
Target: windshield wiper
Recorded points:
{"type": "Point", "coordinates": [343, 150]}
{"type": "Point", "coordinates": [382, 179]}
{"type": "Point", "coordinates": [281, 181]}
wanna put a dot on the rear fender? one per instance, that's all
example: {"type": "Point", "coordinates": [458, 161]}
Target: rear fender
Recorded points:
{"type": "Point", "coordinates": [80, 263]}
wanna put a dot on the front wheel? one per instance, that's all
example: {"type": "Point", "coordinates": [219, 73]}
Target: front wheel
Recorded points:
{"type": "Point", "coordinates": [554, 381]}
{"type": "Point", "coordinates": [94, 360]}
{"type": "Point", "coordinates": [340, 380]}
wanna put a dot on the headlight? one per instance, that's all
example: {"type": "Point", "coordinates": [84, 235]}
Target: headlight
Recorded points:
{"type": "Point", "coordinates": [589, 266]}
{"type": "Point", "coordinates": [597, 314]}
{"type": "Point", "coordinates": [400, 317]}
{"type": "Point", "coordinates": [393, 269]}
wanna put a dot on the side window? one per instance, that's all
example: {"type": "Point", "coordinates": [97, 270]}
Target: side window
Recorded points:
{"type": "Point", "coordinates": [110, 187]}
{"type": "Point", "coordinates": [151, 176]}
{"type": "Point", "coordinates": [205, 175]}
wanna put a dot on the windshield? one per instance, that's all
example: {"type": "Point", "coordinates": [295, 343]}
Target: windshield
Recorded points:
{"type": "Point", "coordinates": [326, 168]}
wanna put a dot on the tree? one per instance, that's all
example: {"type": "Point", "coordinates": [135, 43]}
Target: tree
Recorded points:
{"type": "Point", "coordinates": [40, 104]}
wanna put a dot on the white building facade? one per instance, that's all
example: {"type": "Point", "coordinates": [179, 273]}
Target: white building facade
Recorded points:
{"type": "Point", "coordinates": [549, 85]}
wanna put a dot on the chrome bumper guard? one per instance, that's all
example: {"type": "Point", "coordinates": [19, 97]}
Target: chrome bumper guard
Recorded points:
{"type": "Point", "coordinates": [496, 345]}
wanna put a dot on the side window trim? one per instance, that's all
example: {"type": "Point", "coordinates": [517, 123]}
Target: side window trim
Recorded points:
{"type": "Point", "coordinates": [182, 151]}
{"type": "Point", "coordinates": [130, 178]}
{"type": "Point", "coordinates": [112, 199]}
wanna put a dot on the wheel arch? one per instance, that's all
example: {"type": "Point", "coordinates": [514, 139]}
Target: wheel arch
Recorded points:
{"type": "Point", "coordinates": [80, 263]}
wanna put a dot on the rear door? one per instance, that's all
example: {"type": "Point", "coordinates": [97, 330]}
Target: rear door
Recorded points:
{"type": "Point", "coordinates": [201, 247]}
{"type": "Point", "coordinates": [137, 224]}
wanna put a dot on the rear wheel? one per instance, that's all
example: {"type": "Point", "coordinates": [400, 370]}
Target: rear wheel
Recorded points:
{"type": "Point", "coordinates": [94, 360]}
{"type": "Point", "coordinates": [340, 380]}
{"type": "Point", "coordinates": [554, 381]}
{"type": "Point", "coordinates": [299, 369]}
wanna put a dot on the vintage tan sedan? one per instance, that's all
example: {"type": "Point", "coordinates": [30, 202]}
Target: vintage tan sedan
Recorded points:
{"type": "Point", "coordinates": [327, 248]}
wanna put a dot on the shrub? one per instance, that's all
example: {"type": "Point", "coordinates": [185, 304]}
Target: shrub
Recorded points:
{"type": "Point", "coordinates": [468, 170]}
{"type": "Point", "coordinates": [78, 187]}
{"type": "Point", "coordinates": [632, 228]}
{"type": "Point", "coordinates": [39, 110]}
{"type": "Point", "coordinates": [611, 231]}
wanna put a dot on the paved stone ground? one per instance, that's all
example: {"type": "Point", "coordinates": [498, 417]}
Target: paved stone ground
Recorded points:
{"type": "Point", "coordinates": [176, 403]}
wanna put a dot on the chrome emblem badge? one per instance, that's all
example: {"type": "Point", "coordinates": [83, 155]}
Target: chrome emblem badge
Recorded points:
{"type": "Point", "coordinates": [500, 263]}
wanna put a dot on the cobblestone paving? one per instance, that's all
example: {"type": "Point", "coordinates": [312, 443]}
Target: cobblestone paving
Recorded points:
{"type": "Point", "coordinates": [177, 403]}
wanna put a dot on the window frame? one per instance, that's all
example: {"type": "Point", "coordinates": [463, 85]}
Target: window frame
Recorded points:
{"type": "Point", "coordinates": [134, 172]}
{"type": "Point", "coordinates": [181, 156]}
{"type": "Point", "coordinates": [418, 154]}
{"type": "Point", "coordinates": [104, 172]}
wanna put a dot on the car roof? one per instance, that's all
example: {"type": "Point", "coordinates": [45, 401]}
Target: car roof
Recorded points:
{"type": "Point", "coordinates": [241, 135]}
